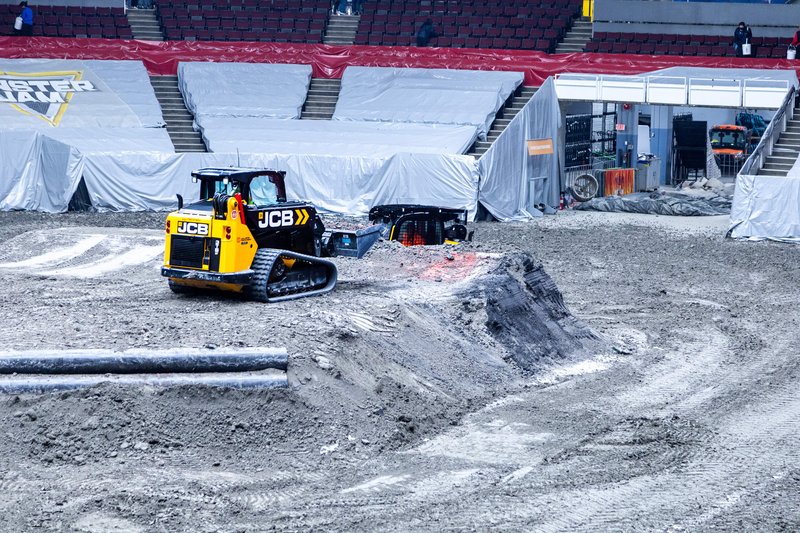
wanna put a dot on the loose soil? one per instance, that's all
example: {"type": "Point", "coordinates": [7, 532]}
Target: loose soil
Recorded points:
{"type": "Point", "coordinates": [585, 371]}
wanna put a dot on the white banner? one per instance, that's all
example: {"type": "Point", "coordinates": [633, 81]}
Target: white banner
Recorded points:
{"type": "Point", "coordinates": [44, 94]}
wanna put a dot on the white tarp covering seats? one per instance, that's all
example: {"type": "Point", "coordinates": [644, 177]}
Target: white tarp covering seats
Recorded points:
{"type": "Point", "coordinates": [47, 93]}
{"type": "Point", "coordinates": [325, 137]}
{"type": "Point", "coordinates": [766, 207]}
{"type": "Point", "coordinates": [244, 89]}
{"type": "Point", "coordinates": [430, 96]}
{"type": "Point", "coordinates": [514, 182]}
{"type": "Point", "coordinates": [44, 171]}
{"type": "Point", "coordinates": [56, 115]}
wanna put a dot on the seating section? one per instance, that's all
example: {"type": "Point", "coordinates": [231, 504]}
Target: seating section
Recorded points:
{"type": "Point", "coordinates": [72, 21]}
{"type": "Point", "coordinates": [511, 24]}
{"type": "Point", "coordinates": [682, 45]}
{"type": "Point", "coordinates": [288, 21]}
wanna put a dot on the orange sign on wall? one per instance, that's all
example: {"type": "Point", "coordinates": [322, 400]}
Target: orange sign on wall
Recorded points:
{"type": "Point", "coordinates": [540, 147]}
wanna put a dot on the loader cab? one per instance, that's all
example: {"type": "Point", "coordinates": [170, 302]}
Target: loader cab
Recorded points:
{"type": "Point", "coordinates": [257, 187]}
{"type": "Point", "coordinates": [731, 145]}
{"type": "Point", "coordinates": [729, 139]}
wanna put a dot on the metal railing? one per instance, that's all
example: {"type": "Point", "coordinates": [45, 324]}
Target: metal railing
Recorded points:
{"type": "Point", "coordinates": [672, 90]}
{"type": "Point", "coordinates": [598, 165]}
{"type": "Point", "coordinates": [774, 130]}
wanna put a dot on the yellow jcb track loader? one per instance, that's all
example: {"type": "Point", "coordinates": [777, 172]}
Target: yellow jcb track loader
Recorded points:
{"type": "Point", "coordinates": [243, 235]}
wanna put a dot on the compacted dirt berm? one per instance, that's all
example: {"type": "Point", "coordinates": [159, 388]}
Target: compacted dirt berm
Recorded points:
{"type": "Point", "coordinates": [244, 236]}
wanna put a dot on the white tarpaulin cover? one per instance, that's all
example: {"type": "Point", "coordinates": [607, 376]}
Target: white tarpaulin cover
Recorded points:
{"type": "Point", "coordinates": [325, 137]}
{"type": "Point", "coordinates": [45, 173]}
{"type": "Point", "coordinates": [90, 141]}
{"type": "Point", "coordinates": [244, 89]}
{"type": "Point", "coordinates": [130, 170]}
{"type": "Point", "coordinates": [39, 173]}
{"type": "Point", "coordinates": [47, 94]}
{"type": "Point", "coordinates": [766, 207]}
{"type": "Point", "coordinates": [425, 95]}
{"type": "Point", "coordinates": [513, 182]}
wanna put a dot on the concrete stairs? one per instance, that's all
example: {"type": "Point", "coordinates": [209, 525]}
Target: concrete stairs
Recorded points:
{"type": "Point", "coordinates": [341, 29]}
{"type": "Point", "coordinates": [576, 38]}
{"type": "Point", "coordinates": [786, 151]}
{"type": "Point", "coordinates": [514, 104]}
{"type": "Point", "coordinates": [321, 99]}
{"type": "Point", "coordinates": [178, 118]}
{"type": "Point", "coordinates": [144, 25]}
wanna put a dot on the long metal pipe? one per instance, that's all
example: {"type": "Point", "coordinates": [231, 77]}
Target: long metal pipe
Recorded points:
{"type": "Point", "coordinates": [142, 362]}
{"type": "Point", "coordinates": [36, 384]}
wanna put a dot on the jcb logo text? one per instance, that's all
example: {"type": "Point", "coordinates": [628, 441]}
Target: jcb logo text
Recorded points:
{"type": "Point", "coordinates": [286, 217]}
{"type": "Point", "coordinates": [192, 228]}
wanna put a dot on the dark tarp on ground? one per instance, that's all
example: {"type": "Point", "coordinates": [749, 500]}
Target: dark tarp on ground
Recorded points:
{"type": "Point", "coordinates": [661, 203]}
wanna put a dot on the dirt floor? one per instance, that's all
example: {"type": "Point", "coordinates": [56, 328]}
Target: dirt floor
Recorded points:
{"type": "Point", "coordinates": [434, 389]}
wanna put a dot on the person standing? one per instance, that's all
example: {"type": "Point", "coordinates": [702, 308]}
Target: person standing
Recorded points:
{"type": "Point", "coordinates": [426, 33]}
{"type": "Point", "coordinates": [742, 35]}
{"type": "Point", "coordinates": [796, 39]}
{"type": "Point", "coordinates": [357, 7]}
{"type": "Point", "coordinates": [27, 19]}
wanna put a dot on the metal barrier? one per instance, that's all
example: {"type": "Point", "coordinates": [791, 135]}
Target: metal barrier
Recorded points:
{"type": "Point", "coordinates": [672, 90]}
{"type": "Point", "coordinates": [595, 169]}
{"type": "Point", "coordinates": [774, 129]}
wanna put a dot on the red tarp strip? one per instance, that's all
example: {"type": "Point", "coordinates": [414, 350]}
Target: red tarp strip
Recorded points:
{"type": "Point", "coordinates": [161, 58]}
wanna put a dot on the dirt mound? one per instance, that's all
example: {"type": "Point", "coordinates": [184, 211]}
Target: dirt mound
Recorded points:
{"type": "Point", "coordinates": [525, 313]}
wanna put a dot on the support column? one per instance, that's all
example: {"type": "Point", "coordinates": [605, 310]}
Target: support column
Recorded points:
{"type": "Point", "coordinates": [661, 139]}
{"type": "Point", "coordinates": [627, 138]}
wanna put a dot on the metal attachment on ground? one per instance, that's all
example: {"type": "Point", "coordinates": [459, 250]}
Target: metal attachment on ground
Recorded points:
{"type": "Point", "coordinates": [584, 187]}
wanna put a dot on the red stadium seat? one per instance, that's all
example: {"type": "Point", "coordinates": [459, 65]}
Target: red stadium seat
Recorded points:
{"type": "Point", "coordinates": [661, 49]}
{"type": "Point", "coordinates": [647, 48]}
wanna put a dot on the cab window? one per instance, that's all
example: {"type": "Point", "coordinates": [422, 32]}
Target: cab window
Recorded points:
{"type": "Point", "coordinates": [263, 191]}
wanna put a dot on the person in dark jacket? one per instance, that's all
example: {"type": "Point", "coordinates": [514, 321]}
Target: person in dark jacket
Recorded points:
{"type": "Point", "coordinates": [27, 19]}
{"type": "Point", "coordinates": [741, 35]}
{"type": "Point", "coordinates": [426, 33]}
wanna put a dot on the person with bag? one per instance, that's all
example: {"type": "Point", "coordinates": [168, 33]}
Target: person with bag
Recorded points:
{"type": "Point", "coordinates": [792, 52]}
{"type": "Point", "coordinates": [23, 25]}
{"type": "Point", "coordinates": [742, 37]}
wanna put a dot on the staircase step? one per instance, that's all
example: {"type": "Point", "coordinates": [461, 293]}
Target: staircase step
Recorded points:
{"type": "Point", "coordinates": [781, 158]}
{"type": "Point", "coordinates": [314, 106]}
{"type": "Point", "coordinates": [320, 93]}
{"type": "Point", "coordinates": [778, 164]}
{"type": "Point", "coordinates": [767, 172]}
{"type": "Point", "coordinates": [327, 99]}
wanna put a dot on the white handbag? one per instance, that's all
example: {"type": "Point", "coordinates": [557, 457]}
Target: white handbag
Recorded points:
{"type": "Point", "coordinates": [746, 49]}
{"type": "Point", "coordinates": [18, 23]}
